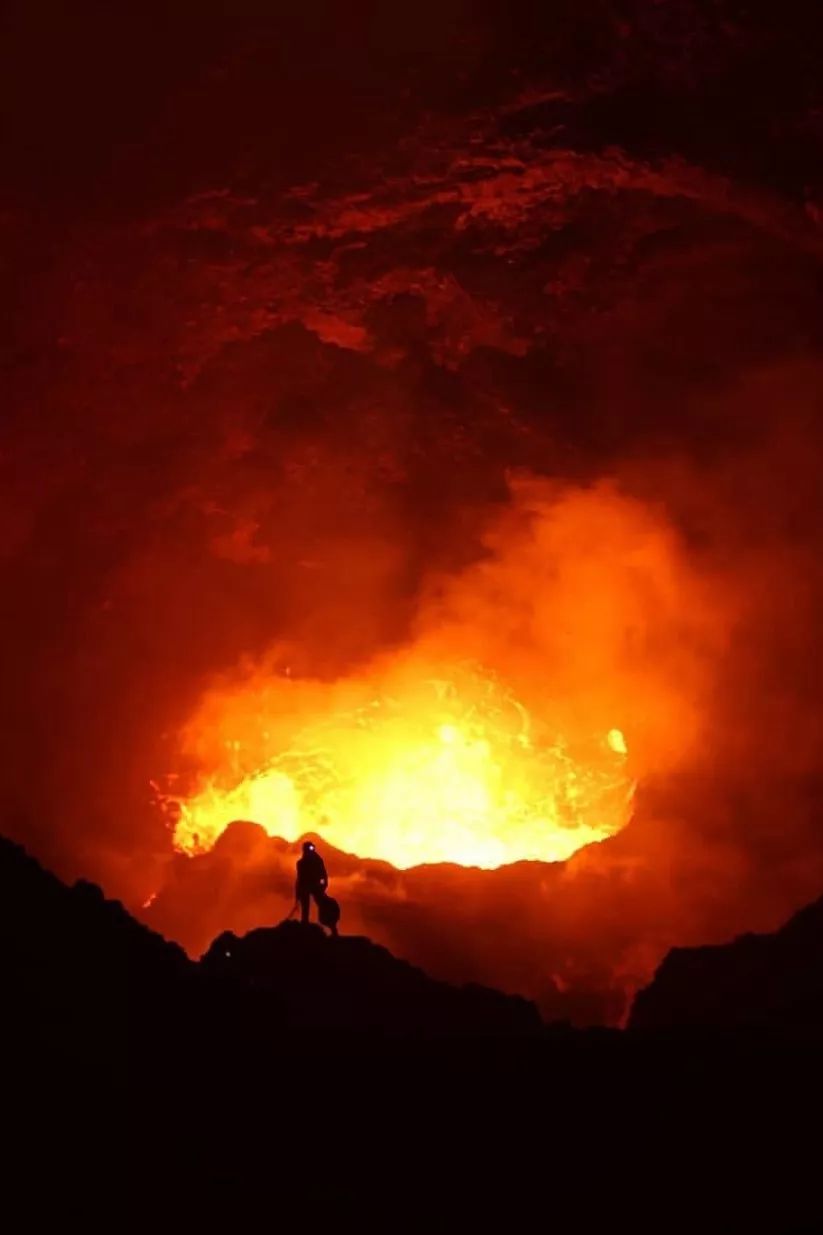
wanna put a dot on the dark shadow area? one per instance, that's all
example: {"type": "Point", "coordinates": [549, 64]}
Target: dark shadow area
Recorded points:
{"type": "Point", "coordinates": [287, 1060]}
{"type": "Point", "coordinates": [770, 982]}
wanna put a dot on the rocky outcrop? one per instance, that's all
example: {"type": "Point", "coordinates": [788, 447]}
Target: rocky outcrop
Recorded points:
{"type": "Point", "coordinates": [353, 984]}
{"type": "Point", "coordinates": [80, 972]}
{"type": "Point", "coordinates": [771, 980]}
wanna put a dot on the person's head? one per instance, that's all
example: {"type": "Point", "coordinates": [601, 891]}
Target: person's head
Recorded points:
{"type": "Point", "coordinates": [308, 847]}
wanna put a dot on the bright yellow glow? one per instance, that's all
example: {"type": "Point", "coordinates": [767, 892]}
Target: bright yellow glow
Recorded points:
{"type": "Point", "coordinates": [443, 766]}
{"type": "Point", "coordinates": [617, 742]}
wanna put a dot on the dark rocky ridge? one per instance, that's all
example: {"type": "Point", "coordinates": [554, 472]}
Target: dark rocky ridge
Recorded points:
{"type": "Point", "coordinates": [133, 1072]}
{"type": "Point", "coordinates": [71, 951]}
{"type": "Point", "coordinates": [772, 981]}
{"type": "Point", "coordinates": [73, 957]}
{"type": "Point", "coordinates": [354, 984]}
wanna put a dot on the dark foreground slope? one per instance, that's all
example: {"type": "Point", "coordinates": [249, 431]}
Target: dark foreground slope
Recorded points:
{"type": "Point", "coordinates": [772, 982]}
{"type": "Point", "coordinates": [71, 952]}
{"type": "Point", "coordinates": [299, 1073]}
{"type": "Point", "coordinates": [327, 984]}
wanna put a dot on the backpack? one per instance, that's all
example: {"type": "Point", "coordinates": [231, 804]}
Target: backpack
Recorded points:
{"type": "Point", "coordinates": [328, 911]}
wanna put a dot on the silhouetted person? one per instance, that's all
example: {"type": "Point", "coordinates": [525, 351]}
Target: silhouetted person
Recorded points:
{"type": "Point", "coordinates": [312, 879]}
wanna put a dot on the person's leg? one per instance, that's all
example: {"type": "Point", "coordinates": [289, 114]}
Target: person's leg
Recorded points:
{"type": "Point", "coordinates": [304, 899]}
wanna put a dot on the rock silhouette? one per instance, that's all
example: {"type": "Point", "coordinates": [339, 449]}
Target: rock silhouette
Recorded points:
{"type": "Point", "coordinates": [69, 947]}
{"type": "Point", "coordinates": [772, 981]}
{"type": "Point", "coordinates": [79, 972]}
{"type": "Point", "coordinates": [73, 957]}
{"type": "Point", "coordinates": [287, 1063]}
{"type": "Point", "coordinates": [352, 983]}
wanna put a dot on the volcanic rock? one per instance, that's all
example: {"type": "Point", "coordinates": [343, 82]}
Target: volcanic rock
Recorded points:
{"type": "Point", "coordinates": [74, 959]}
{"type": "Point", "coordinates": [58, 935]}
{"type": "Point", "coordinates": [770, 981]}
{"type": "Point", "coordinates": [353, 984]}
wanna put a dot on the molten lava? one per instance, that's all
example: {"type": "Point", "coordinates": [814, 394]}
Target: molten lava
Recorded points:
{"type": "Point", "coordinates": [447, 767]}
{"type": "Point", "coordinates": [537, 684]}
